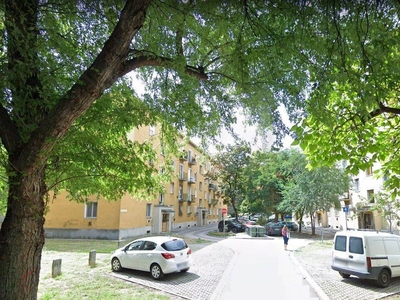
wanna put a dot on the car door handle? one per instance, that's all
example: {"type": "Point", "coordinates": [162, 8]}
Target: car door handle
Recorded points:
{"type": "Point", "coordinates": [351, 256]}
{"type": "Point", "coordinates": [148, 255]}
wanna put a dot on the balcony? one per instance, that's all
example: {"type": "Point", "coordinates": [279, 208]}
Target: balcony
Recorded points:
{"type": "Point", "coordinates": [192, 161]}
{"type": "Point", "coordinates": [214, 201]}
{"type": "Point", "coordinates": [190, 199]}
{"type": "Point", "coordinates": [183, 197]}
{"type": "Point", "coordinates": [191, 180]}
{"type": "Point", "coordinates": [182, 176]}
{"type": "Point", "coordinates": [212, 187]}
{"type": "Point", "coordinates": [183, 156]}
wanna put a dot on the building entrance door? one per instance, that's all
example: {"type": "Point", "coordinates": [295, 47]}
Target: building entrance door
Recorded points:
{"type": "Point", "coordinates": [165, 222]}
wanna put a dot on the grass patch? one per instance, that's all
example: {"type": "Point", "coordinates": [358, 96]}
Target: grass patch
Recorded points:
{"type": "Point", "coordinates": [220, 234]}
{"type": "Point", "coordinates": [83, 283]}
{"type": "Point", "coordinates": [81, 245]}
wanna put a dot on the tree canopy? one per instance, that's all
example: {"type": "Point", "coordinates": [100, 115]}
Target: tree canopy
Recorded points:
{"type": "Point", "coordinates": [306, 192]}
{"type": "Point", "coordinates": [68, 98]}
{"type": "Point", "coordinates": [229, 166]}
{"type": "Point", "coordinates": [352, 109]}
{"type": "Point", "coordinates": [66, 66]}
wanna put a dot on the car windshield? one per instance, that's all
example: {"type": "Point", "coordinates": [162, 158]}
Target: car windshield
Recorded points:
{"type": "Point", "coordinates": [174, 245]}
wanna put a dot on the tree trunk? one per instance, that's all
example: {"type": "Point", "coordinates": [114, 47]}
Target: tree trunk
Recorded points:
{"type": "Point", "coordinates": [22, 236]}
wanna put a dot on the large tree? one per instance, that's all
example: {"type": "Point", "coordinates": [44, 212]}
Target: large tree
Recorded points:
{"type": "Point", "coordinates": [62, 60]}
{"type": "Point", "coordinates": [352, 110]}
{"type": "Point", "coordinates": [229, 165]}
{"type": "Point", "coordinates": [263, 179]}
{"type": "Point", "coordinates": [307, 192]}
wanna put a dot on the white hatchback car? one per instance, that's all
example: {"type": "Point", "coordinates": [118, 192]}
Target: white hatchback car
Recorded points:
{"type": "Point", "coordinates": [158, 255]}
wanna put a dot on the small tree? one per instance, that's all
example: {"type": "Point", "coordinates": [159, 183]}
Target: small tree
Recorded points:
{"type": "Point", "coordinates": [386, 206]}
{"type": "Point", "coordinates": [229, 166]}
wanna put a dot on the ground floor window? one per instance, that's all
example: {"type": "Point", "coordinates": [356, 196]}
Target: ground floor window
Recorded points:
{"type": "Point", "coordinates": [91, 210]}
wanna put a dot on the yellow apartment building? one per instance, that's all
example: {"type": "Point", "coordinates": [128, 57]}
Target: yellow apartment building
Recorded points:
{"type": "Point", "coordinates": [190, 199]}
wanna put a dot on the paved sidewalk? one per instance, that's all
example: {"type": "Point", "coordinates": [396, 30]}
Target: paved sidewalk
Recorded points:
{"type": "Point", "coordinates": [243, 267]}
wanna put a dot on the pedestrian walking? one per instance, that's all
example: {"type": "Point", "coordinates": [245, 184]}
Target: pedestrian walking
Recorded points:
{"type": "Point", "coordinates": [286, 236]}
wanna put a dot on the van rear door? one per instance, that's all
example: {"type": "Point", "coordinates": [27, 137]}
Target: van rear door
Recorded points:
{"type": "Point", "coordinates": [356, 254]}
{"type": "Point", "coordinates": [392, 248]}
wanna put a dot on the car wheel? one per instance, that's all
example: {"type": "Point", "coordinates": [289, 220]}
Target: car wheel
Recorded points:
{"type": "Point", "coordinates": [384, 278]}
{"type": "Point", "coordinates": [344, 275]}
{"type": "Point", "coordinates": [234, 230]}
{"type": "Point", "coordinates": [116, 265]}
{"type": "Point", "coordinates": [184, 270]}
{"type": "Point", "coordinates": [156, 272]}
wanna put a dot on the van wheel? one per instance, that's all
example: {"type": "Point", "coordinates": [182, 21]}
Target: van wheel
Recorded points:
{"type": "Point", "coordinates": [384, 278]}
{"type": "Point", "coordinates": [234, 230]}
{"type": "Point", "coordinates": [344, 275]}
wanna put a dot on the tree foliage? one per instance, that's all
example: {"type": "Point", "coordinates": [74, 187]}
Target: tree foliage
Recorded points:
{"type": "Point", "coordinates": [352, 111]}
{"type": "Point", "coordinates": [229, 165]}
{"type": "Point", "coordinates": [68, 98]}
{"type": "Point", "coordinates": [307, 192]}
{"type": "Point", "coordinates": [263, 177]}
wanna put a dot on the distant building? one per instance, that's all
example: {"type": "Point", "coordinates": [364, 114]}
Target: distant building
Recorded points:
{"type": "Point", "coordinates": [355, 211]}
{"type": "Point", "coordinates": [191, 199]}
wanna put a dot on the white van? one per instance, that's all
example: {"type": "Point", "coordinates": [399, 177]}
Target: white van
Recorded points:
{"type": "Point", "coordinates": [367, 254]}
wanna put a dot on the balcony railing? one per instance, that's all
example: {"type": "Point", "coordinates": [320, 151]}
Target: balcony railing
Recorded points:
{"type": "Point", "coordinates": [183, 197]}
{"type": "Point", "coordinates": [213, 187]}
{"type": "Point", "coordinates": [182, 176]}
{"type": "Point", "coordinates": [183, 156]}
{"type": "Point", "coordinates": [192, 161]}
{"type": "Point", "coordinates": [191, 180]}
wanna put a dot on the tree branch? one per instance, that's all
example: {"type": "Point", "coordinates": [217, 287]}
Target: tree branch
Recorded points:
{"type": "Point", "coordinates": [8, 131]}
{"type": "Point", "coordinates": [384, 109]}
{"type": "Point", "coordinates": [89, 87]}
{"type": "Point", "coordinates": [146, 59]}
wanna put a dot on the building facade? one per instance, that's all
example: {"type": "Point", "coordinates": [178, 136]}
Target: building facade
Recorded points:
{"type": "Point", "coordinates": [190, 199]}
{"type": "Point", "coordinates": [356, 206]}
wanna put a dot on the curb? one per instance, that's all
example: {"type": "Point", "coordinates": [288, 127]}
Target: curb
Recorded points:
{"type": "Point", "coordinates": [317, 289]}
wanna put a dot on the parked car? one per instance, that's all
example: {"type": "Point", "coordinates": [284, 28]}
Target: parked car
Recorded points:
{"type": "Point", "coordinates": [158, 255]}
{"type": "Point", "coordinates": [231, 225]}
{"type": "Point", "coordinates": [291, 225]}
{"type": "Point", "coordinates": [367, 254]}
{"type": "Point", "coordinates": [273, 228]}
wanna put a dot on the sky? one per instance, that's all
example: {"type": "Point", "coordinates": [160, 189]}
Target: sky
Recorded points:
{"type": "Point", "coordinates": [244, 131]}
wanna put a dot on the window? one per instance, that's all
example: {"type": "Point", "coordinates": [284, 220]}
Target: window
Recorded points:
{"type": "Point", "coordinates": [171, 188]}
{"type": "Point", "coordinates": [161, 199]}
{"type": "Point", "coordinates": [340, 243]}
{"type": "Point", "coordinates": [180, 196]}
{"type": "Point", "coordinates": [189, 155]}
{"type": "Point", "coordinates": [148, 210]}
{"type": "Point", "coordinates": [180, 210]}
{"type": "Point", "coordinates": [91, 210]}
{"type": "Point", "coordinates": [195, 193]}
{"type": "Point", "coordinates": [181, 174]}
{"type": "Point", "coordinates": [201, 202]}
{"type": "Point", "coordinates": [149, 246]}
{"type": "Point", "coordinates": [368, 172]}
{"type": "Point", "coordinates": [201, 170]}
{"type": "Point", "coordinates": [195, 176]}
{"type": "Point", "coordinates": [200, 186]}
{"type": "Point", "coordinates": [152, 130]}
{"type": "Point", "coordinates": [135, 246]}
{"type": "Point", "coordinates": [356, 245]}
{"type": "Point", "coordinates": [357, 185]}
{"type": "Point", "coordinates": [370, 196]}
{"type": "Point", "coordinates": [189, 210]}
